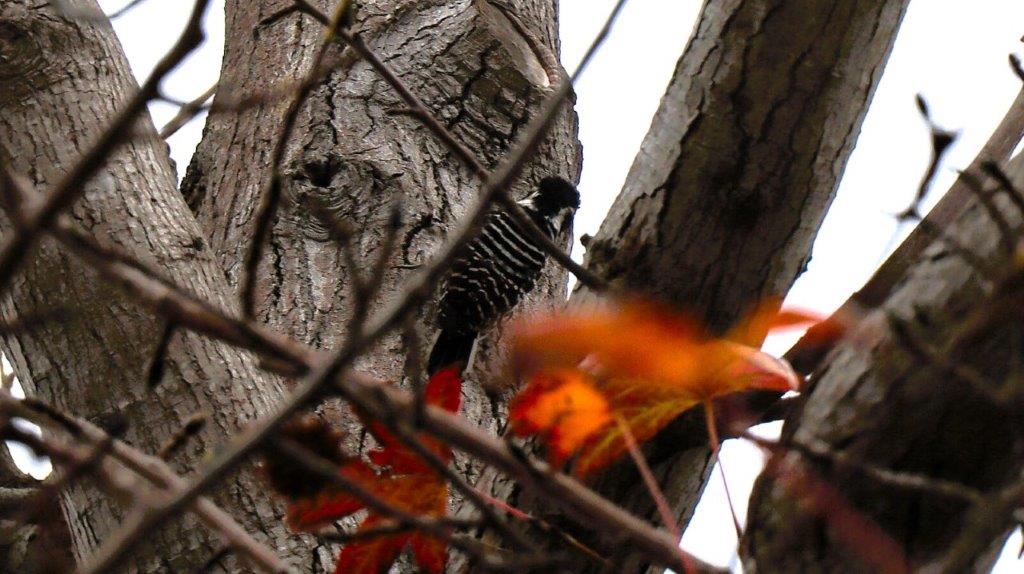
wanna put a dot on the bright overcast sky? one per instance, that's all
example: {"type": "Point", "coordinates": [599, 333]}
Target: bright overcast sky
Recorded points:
{"type": "Point", "coordinates": [952, 52]}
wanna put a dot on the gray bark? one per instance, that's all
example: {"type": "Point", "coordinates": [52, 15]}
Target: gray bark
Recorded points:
{"type": "Point", "coordinates": [351, 154]}
{"type": "Point", "coordinates": [471, 68]}
{"type": "Point", "coordinates": [879, 401]}
{"type": "Point", "coordinates": [723, 202]}
{"type": "Point", "coordinates": [64, 78]}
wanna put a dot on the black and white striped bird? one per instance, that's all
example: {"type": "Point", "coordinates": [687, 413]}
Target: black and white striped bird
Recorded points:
{"type": "Point", "coordinates": [496, 269]}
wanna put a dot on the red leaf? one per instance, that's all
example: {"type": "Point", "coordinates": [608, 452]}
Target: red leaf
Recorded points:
{"type": "Point", "coordinates": [430, 553]}
{"type": "Point", "coordinates": [444, 390]}
{"type": "Point", "coordinates": [332, 503]}
{"type": "Point", "coordinates": [371, 556]}
{"type": "Point", "coordinates": [402, 479]}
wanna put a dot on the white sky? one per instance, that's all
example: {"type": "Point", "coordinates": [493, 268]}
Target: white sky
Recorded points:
{"type": "Point", "coordinates": [954, 53]}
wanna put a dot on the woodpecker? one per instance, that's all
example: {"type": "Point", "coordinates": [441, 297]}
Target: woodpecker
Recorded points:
{"type": "Point", "coordinates": [496, 269]}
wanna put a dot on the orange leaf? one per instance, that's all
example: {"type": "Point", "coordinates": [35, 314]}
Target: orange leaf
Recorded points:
{"type": "Point", "coordinates": [766, 317]}
{"type": "Point", "coordinates": [564, 407]}
{"type": "Point", "coordinates": [638, 361]}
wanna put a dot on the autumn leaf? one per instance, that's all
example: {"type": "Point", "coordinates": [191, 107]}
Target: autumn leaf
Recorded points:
{"type": "Point", "coordinates": [399, 477]}
{"type": "Point", "coordinates": [636, 361]}
{"type": "Point", "coordinates": [564, 407]}
{"type": "Point", "coordinates": [444, 390]}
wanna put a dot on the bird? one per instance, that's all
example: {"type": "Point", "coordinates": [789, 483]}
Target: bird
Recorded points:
{"type": "Point", "coordinates": [495, 270]}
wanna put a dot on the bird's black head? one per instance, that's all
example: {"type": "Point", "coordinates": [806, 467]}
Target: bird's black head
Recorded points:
{"type": "Point", "coordinates": [555, 194]}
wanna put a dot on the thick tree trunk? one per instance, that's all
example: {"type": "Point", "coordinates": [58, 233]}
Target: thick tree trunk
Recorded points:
{"type": "Point", "coordinates": [732, 181]}
{"type": "Point", "coordinates": [891, 400]}
{"type": "Point", "coordinates": [64, 78]}
{"type": "Point", "coordinates": [350, 152]}
{"type": "Point", "coordinates": [468, 64]}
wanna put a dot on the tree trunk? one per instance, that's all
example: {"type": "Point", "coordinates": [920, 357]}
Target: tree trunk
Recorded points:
{"type": "Point", "coordinates": [723, 202]}
{"type": "Point", "coordinates": [350, 152]}
{"type": "Point", "coordinates": [64, 79]}
{"type": "Point", "coordinates": [889, 398]}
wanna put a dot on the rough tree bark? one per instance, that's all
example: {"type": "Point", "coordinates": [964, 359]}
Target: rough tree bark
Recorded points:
{"type": "Point", "coordinates": [64, 78]}
{"type": "Point", "coordinates": [880, 400]}
{"type": "Point", "coordinates": [723, 201]}
{"type": "Point", "coordinates": [349, 152]}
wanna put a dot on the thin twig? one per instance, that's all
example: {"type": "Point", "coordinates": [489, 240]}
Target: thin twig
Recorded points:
{"type": "Point", "coordinates": [366, 288]}
{"type": "Point", "coordinates": [193, 425]}
{"type": "Point", "coordinates": [124, 9]}
{"type": "Point", "coordinates": [587, 506]}
{"type": "Point", "coordinates": [850, 527]}
{"type": "Point", "coordinates": [396, 527]}
{"type": "Point", "coordinates": [908, 337]}
{"type": "Point", "coordinates": [474, 496]}
{"type": "Point", "coordinates": [984, 268]}
{"type": "Point", "coordinates": [667, 519]}
{"type": "Point", "coordinates": [996, 172]}
{"type": "Point", "coordinates": [158, 362]}
{"type": "Point", "coordinates": [598, 40]}
{"type": "Point", "coordinates": [809, 352]}
{"type": "Point", "coordinates": [986, 520]}
{"type": "Point", "coordinates": [177, 305]}
{"type": "Point", "coordinates": [155, 471]}
{"type": "Point", "coordinates": [187, 112]}
{"type": "Point", "coordinates": [214, 559]}
{"type": "Point", "coordinates": [582, 503]}
{"type": "Point", "coordinates": [941, 142]}
{"type": "Point", "coordinates": [819, 450]}
{"type": "Point", "coordinates": [1007, 236]}
{"type": "Point", "coordinates": [50, 490]}
{"type": "Point", "coordinates": [324, 469]}
{"type": "Point", "coordinates": [1015, 65]}
{"type": "Point", "coordinates": [716, 448]}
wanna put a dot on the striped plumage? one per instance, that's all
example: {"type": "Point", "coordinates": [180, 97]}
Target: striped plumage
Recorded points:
{"type": "Point", "coordinates": [496, 269]}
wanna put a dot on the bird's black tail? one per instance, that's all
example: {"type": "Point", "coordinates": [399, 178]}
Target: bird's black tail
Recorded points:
{"type": "Point", "coordinates": [450, 348]}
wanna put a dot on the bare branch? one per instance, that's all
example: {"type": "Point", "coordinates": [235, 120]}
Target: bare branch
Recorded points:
{"type": "Point", "coordinates": [124, 9]}
{"type": "Point", "coordinates": [153, 470]}
{"type": "Point", "coordinates": [187, 112]}
{"type": "Point", "coordinates": [903, 480]}
{"type": "Point", "coordinates": [158, 363]}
